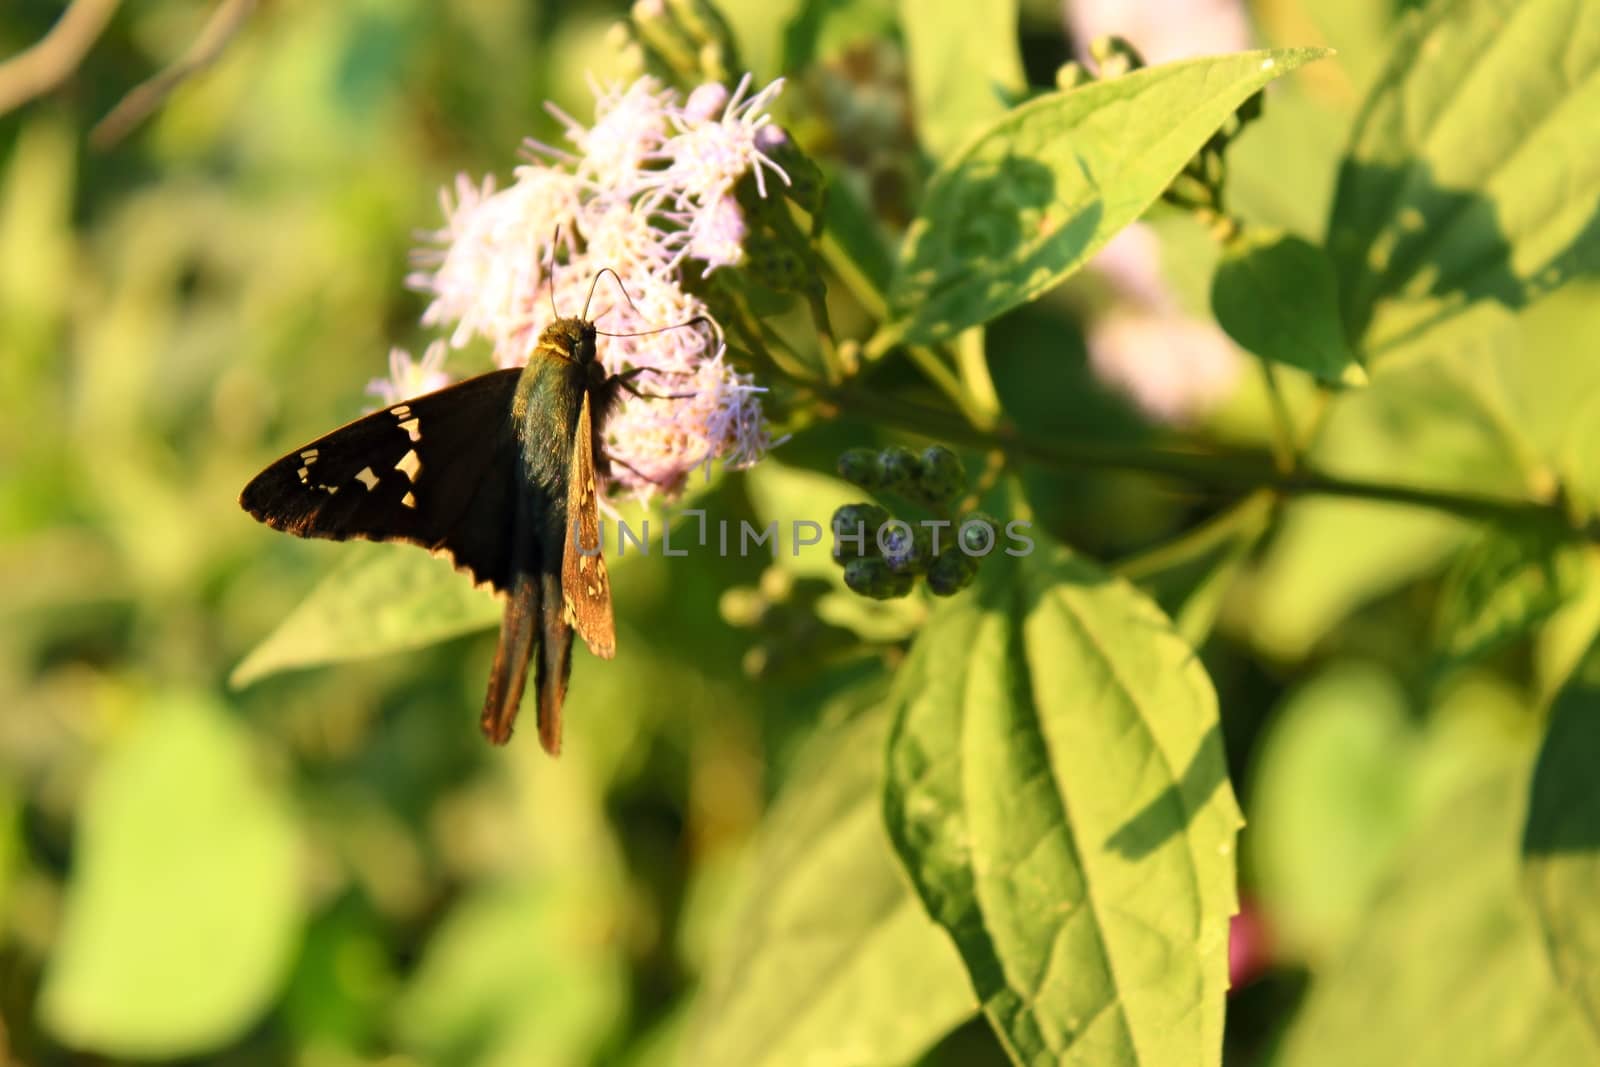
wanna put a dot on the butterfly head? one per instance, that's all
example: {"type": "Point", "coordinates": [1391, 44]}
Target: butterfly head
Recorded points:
{"type": "Point", "coordinates": [571, 339]}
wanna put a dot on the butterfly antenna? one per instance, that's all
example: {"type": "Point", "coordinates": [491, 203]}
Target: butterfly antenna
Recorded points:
{"type": "Point", "coordinates": [659, 329]}
{"type": "Point", "coordinates": [593, 284]}
{"type": "Point", "coordinates": [550, 271]}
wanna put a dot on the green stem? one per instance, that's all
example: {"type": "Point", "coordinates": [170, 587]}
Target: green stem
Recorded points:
{"type": "Point", "coordinates": [1244, 472]}
{"type": "Point", "coordinates": [972, 362]}
{"type": "Point", "coordinates": [1284, 442]}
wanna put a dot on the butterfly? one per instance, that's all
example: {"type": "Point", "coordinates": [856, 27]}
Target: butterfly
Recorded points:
{"type": "Point", "coordinates": [497, 473]}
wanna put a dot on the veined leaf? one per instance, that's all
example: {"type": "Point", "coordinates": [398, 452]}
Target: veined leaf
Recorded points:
{"type": "Point", "coordinates": [832, 959]}
{"type": "Point", "coordinates": [1057, 791]}
{"type": "Point", "coordinates": [1561, 845]}
{"type": "Point", "coordinates": [1035, 195]}
{"type": "Point", "coordinates": [1474, 170]}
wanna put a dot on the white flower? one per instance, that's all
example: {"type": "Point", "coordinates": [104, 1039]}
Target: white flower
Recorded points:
{"type": "Point", "coordinates": [630, 125]}
{"type": "Point", "coordinates": [408, 378]}
{"type": "Point", "coordinates": [710, 153]}
{"type": "Point", "coordinates": [605, 234]}
{"type": "Point", "coordinates": [716, 234]}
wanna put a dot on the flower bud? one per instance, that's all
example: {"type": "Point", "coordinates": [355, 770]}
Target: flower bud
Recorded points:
{"type": "Point", "coordinates": [855, 531]}
{"type": "Point", "coordinates": [873, 578]}
{"type": "Point", "coordinates": [901, 469]}
{"type": "Point", "coordinates": [940, 476]}
{"type": "Point", "coordinates": [951, 573]}
{"type": "Point", "coordinates": [978, 534]}
{"type": "Point", "coordinates": [861, 466]}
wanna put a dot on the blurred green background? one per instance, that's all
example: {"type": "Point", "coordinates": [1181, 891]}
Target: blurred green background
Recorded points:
{"type": "Point", "coordinates": [331, 867]}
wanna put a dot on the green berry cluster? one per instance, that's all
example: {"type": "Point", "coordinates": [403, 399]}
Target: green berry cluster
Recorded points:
{"type": "Point", "coordinates": [882, 555]}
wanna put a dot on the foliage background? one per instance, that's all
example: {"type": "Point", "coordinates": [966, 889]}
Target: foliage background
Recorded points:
{"type": "Point", "coordinates": [329, 867]}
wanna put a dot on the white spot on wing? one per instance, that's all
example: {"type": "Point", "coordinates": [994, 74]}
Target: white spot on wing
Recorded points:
{"type": "Point", "coordinates": [413, 428]}
{"type": "Point", "coordinates": [367, 478]}
{"type": "Point", "coordinates": [401, 411]}
{"type": "Point", "coordinates": [305, 475]}
{"type": "Point", "coordinates": [408, 500]}
{"type": "Point", "coordinates": [409, 465]}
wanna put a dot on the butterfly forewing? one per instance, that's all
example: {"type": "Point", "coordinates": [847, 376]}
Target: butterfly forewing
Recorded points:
{"type": "Point", "coordinates": [585, 585]}
{"type": "Point", "coordinates": [437, 471]}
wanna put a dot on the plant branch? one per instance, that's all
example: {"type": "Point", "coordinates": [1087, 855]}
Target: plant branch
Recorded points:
{"type": "Point", "coordinates": [1243, 472]}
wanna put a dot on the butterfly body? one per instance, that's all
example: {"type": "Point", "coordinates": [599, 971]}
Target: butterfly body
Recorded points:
{"type": "Point", "coordinates": [498, 474]}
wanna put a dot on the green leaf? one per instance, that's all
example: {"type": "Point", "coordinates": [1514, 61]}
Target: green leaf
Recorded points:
{"type": "Point", "coordinates": [1188, 577]}
{"type": "Point", "coordinates": [1447, 965]}
{"type": "Point", "coordinates": [832, 959]}
{"type": "Point", "coordinates": [1418, 424]}
{"type": "Point", "coordinates": [1561, 845]}
{"type": "Point", "coordinates": [1503, 585]}
{"type": "Point", "coordinates": [1275, 294]}
{"type": "Point", "coordinates": [1032, 198]}
{"type": "Point", "coordinates": [378, 599]}
{"type": "Point", "coordinates": [185, 905]}
{"type": "Point", "coordinates": [1330, 804]}
{"type": "Point", "coordinates": [961, 57]}
{"type": "Point", "coordinates": [528, 971]}
{"type": "Point", "coordinates": [1057, 791]}
{"type": "Point", "coordinates": [1471, 172]}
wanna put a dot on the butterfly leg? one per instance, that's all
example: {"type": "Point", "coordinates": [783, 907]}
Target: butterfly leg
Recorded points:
{"type": "Point", "coordinates": [555, 664]}
{"type": "Point", "coordinates": [622, 380]}
{"type": "Point", "coordinates": [519, 630]}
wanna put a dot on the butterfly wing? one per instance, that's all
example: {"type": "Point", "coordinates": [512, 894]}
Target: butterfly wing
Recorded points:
{"type": "Point", "coordinates": [585, 585]}
{"type": "Point", "coordinates": [438, 471]}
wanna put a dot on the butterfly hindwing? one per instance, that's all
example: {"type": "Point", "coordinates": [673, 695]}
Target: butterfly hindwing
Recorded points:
{"type": "Point", "coordinates": [585, 584]}
{"type": "Point", "coordinates": [437, 471]}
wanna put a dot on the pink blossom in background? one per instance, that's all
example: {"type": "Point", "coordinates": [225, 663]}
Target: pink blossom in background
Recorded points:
{"type": "Point", "coordinates": [1173, 366]}
{"type": "Point", "coordinates": [1249, 945]}
{"type": "Point", "coordinates": [646, 190]}
{"type": "Point", "coordinates": [408, 377]}
{"type": "Point", "coordinates": [1162, 30]}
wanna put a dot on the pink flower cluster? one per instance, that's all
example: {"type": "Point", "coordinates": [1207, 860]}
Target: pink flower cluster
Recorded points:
{"type": "Point", "coordinates": [646, 192]}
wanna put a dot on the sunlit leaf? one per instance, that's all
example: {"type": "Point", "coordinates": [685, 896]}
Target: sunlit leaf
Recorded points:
{"type": "Point", "coordinates": [960, 58]}
{"type": "Point", "coordinates": [830, 957]}
{"type": "Point", "coordinates": [378, 599]}
{"type": "Point", "coordinates": [1505, 583]}
{"type": "Point", "coordinates": [1561, 845]}
{"type": "Point", "coordinates": [1276, 296]}
{"type": "Point", "coordinates": [1029, 201]}
{"type": "Point", "coordinates": [1058, 793]}
{"type": "Point", "coordinates": [184, 909]}
{"type": "Point", "coordinates": [1447, 969]}
{"type": "Point", "coordinates": [1471, 173]}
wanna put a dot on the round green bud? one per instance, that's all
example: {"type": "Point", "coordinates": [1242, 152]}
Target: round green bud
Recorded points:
{"type": "Point", "coordinates": [906, 549]}
{"type": "Point", "coordinates": [941, 478]}
{"type": "Point", "coordinates": [901, 468]}
{"type": "Point", "coordinates": [873, 578]}
{"type": "Point", "coordinates": [951, 573]}
{"type": "Point", "coordinates": [855, 531]}
{"type": "Point", "coordinates": [861, 466]}
{"type": "Point", "coordinates": [978, 534]}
